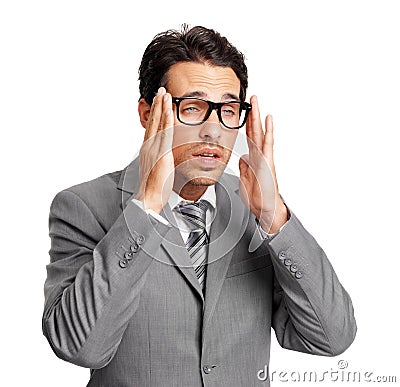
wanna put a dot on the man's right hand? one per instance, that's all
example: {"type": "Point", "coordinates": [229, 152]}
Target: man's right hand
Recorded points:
{"type": "Point", "coordinates": [156, 158]}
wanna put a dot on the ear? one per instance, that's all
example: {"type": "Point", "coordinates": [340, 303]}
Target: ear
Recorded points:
{"type": "Point", "coordinates": [144, 111]}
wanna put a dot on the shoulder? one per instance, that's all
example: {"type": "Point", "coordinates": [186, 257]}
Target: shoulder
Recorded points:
{"type": "Point", "coordinates": [99, 197]}
{"type": "Point", "coordinates": [99, 186]}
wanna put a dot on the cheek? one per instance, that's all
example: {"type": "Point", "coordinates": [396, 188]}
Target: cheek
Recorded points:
{"type": "Point", "coordinates": [178, 154]}
{"type": "Point", "coordinates": [183, 135]}
{"type": "Point", "coordinates": [229, 139]}
{"type": "Point", "coordinates": [182, 150]}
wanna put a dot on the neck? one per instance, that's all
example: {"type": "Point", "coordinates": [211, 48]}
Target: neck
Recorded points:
{"type": "Point", "coordinates": [190, 191]}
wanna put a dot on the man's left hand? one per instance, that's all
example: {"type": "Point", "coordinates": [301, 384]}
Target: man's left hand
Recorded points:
{"type": "Point", "coordinates": [258, 184]}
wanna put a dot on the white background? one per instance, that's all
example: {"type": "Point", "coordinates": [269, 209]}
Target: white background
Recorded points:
{"type": "Point", "coordinates": [328, 72]}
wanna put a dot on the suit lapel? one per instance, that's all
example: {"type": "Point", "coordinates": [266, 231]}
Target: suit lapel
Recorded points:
{"type": "Point", "coordinates": [226, 231]}
{"type": "Point", "coordinates": [176, 249]}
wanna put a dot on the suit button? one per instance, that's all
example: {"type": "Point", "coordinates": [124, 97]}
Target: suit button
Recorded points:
{"type": "Point", "coordinates": [207, 369]}
{"type": "Point", "coordinates": [134, 247]}
{"type": "Point", "coordinates": [287, 262]}
{"type": "Point", "coordinates": [294, 268]}
{"type": "Point", "coordinates": [123, 263]}
{"type": "Point", "coordinates": [282, 255]}
{"type": "Point", "coordinates": [128, 255]}
{"type": "Point", "coordinates": [140, 239]}
{"type": "Point", "coordinates": [298, 274]}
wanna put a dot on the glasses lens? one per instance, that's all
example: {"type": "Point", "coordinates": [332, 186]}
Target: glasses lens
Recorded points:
{"type": "Point", "coordinates": [192, 111]}
{"type": "Point", "coordinates": [232, 114]}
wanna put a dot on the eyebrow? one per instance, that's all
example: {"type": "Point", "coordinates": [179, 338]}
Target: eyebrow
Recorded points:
{"type": "Point", "coordinates": [202, 94]}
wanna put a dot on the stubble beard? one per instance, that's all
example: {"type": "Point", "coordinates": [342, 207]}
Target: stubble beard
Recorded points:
{"type": "Point", "coordinates": [188, 176]}
{"type": "Point", "coordinates": [193, 177]}
{"type": "Point", "coordinates": [189, 179]}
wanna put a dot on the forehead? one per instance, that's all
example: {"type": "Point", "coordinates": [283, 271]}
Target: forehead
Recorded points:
{"type": "Point", "coordinates": [212, 81]}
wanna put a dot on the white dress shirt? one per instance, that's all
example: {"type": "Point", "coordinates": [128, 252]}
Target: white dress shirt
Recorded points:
{"type": "Point", "coordinates": [183, 225]}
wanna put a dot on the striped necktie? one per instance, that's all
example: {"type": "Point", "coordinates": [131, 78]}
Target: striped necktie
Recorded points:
{"type": "Point", "coordinates": [195, 214]}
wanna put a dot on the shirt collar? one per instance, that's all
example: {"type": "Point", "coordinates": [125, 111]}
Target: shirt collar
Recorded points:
{"type": "Point", "coordinates": [208, 195]}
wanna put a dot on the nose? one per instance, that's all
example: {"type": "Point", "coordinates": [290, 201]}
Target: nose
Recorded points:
{"type": "Point", "coordinates": [211, 129]}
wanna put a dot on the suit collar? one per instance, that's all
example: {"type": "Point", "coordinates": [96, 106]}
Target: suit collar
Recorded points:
{"type": "Point", "coordinates": [129, 179]}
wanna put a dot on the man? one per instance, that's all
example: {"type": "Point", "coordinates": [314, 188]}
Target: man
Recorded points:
{"type": "Point", "coordinates": [172, 272]}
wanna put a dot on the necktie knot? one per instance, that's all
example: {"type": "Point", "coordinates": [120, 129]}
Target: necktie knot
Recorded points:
{"type": "Point", "coordinates": [195, 213]}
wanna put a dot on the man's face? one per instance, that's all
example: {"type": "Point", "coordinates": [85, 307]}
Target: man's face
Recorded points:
{"type": "Point", "coordinates": [202, 152]}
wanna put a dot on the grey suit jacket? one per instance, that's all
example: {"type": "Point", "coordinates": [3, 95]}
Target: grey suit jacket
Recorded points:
{"type": "Point", "coordinates": [122, 298]}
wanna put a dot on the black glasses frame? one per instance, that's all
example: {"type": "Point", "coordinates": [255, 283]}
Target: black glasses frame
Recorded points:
{"type": "Point", "coordinates": [213, 106]}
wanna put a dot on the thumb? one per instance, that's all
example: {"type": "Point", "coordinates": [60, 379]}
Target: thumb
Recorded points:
{"type": "Point", "coordinates": [244, 164]}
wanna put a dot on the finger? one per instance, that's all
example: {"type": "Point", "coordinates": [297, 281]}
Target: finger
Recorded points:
{"type": "Point", "coordinates": [244, 178]}
{"type": "Point", "coordinates": [245, 168]}
{"type": "Point", "coordinates": [167, 125]}
{"type": "Point", "coordinates": [166, 120]}
{"type": "Point", "coordinates": [153, 122]}
{"type": "Point", "coordinates": [268, 145]}
{"type": "Point", "coordinates": [254, 129]}
{"type": "Point", "coordinates": [244, 164]}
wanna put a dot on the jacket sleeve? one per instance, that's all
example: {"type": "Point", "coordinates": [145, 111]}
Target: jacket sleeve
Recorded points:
{"type": "Point", "coordinates": [94, 278]}
{"type": "Point", "coordinates": [312, 311]}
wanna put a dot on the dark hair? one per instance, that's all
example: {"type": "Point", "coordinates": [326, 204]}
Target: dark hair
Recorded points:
{"type": "Point", "coordinates": [197, 44]}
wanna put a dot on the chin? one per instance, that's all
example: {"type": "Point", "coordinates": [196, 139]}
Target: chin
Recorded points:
{"type": "Point", "coordinates": [197, 177]}
{"type": "Point", "coordinates": [203, 181]}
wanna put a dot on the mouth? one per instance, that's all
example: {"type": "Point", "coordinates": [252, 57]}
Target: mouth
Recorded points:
{"type": "Point", "coordinates": [208, 153]}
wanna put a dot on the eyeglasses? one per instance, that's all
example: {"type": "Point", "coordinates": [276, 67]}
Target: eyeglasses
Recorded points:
{"type": "Point", "coordinates": [194, 111]}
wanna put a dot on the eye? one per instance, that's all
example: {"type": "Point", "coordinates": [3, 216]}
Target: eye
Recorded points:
{"type": "Point", "coordinates": [193, 107]}
{"type": "Point", "coordinates": [190, 109]}
{"type": "Point", "coordinates": [230, 110]}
